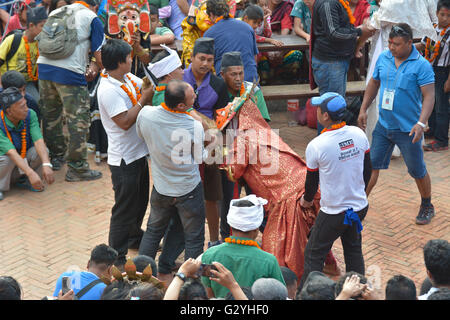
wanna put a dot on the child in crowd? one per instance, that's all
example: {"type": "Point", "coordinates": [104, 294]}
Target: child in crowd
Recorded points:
{"type": "Point", "coordinates": [438, 54]}
{"type": "Point", "coordinates": [159, 35]}
{"type": "Point", "coordinates": [301, 12]}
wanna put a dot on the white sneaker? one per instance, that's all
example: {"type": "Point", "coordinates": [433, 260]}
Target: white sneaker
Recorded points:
{"type": "Point", "coordinates": [1, 196]}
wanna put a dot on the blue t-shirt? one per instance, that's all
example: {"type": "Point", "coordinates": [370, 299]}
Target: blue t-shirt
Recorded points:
{"type": "Point", "coordinates": [414, 73]}
{"type": "Point", "coordinates": [68, 77]}
{"type": "Point", "coordinates": [79, 280]}
{"type": "Point", "coordinates": [235, 35]}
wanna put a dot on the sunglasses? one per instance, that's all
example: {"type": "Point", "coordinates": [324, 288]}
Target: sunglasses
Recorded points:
{"type": "Point", "coordinates": [398, 30]}
{"type": "Point", "coordinates": [196, 104]}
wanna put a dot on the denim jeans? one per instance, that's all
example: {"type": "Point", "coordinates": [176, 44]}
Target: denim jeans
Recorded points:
{"type": "Point", "coordinates": [383, 142]}
{"type": "Point", "coordinates": [326, 229]}
{"type": "Point", "coordinates": [190, 209]}
{"type": "Point", "coordinates": [439, 119]}
{"type": "Point", "coordinates": [330, 76]}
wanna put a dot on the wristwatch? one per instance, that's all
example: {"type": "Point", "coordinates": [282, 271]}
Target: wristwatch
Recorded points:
{"type": "Point", "coordinates": [181, 275]}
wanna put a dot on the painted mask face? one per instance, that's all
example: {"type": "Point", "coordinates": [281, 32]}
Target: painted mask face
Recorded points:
{"type": "Point", "coordinates": [129, 23]}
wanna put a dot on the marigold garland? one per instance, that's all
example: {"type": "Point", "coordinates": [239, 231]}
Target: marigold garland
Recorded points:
{"type": "Point", "coordinates": [334, 127]}
{"type": "Point", "coordinates": [23, 151]}
{"type": "Point", "coordinates": [165, 107]}
{"type": "Point", "coordinates": [160, 88]}
{"type": "Point", "coordinates": [437, 47]}
{"type": "Point", "coordinates": [29, 66]}
{"type": "Point", "coordinates": [349, 11]}
{"type": "Point", "coordinates": [250, 243]}
{"type": "Point", "coordinates": [134, 101]}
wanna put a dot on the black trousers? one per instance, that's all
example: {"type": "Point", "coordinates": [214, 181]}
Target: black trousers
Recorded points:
{"type": "Point", "coordinates": [326, 229]}
{"type": "Point", "coordinates": [131, 194]}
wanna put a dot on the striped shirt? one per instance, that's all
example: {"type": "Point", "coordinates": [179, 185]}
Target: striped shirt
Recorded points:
{"type": "Point", "coordinates": [444, 59]}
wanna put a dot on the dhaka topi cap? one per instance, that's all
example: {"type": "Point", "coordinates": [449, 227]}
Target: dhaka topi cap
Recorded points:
{"type": "Point", "coordinates": [231, 59]}
{"type": "Point", "coordinates": [37, 14]}
{"type": "Point", "coordinates": [331, 102]}
{"type": "Point", "coordinates": [204, 45]}
{"type": "Point", "coordinates": [9, 96]}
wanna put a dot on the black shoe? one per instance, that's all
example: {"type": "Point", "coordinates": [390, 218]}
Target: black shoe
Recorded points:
{"type": "Point", "coordinates": [57, 163]}
{"type": "Point", "coordinates": [86, 175]}
{"type": "Point", "coordinates": [1, 196]}
{"type": "Point", "coordinates": [426, 213]}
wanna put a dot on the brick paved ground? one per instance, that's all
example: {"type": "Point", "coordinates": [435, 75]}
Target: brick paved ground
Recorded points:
{"type": "Point", "coordinates": [42, 234]}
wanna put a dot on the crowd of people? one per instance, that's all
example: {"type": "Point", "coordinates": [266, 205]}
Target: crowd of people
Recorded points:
{"type": "Point", "coordinates": [198, 123]}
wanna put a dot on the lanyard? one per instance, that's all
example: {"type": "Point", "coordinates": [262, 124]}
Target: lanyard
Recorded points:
{"type": "Point", "coordinates": [404, 63]}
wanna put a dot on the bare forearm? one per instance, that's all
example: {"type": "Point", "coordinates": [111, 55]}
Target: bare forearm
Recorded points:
{"type": "Point", "coordinates": [173, 291]}
{"type": "Point", "coordinates": [370, 94]}
{"type": "Point", "coordinates": [156, 39]}
{"type": "Point", "coordinates": [184, 6]}
{"type": "Point", "coordinates": [428, 103]}
{"type": "Point", "coordinates": [19, 162]}
{"type": "Point", "coordinates": [41, 150]}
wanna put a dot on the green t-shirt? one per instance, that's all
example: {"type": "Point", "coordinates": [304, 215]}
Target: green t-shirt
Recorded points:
{"type": "Point", "coordinates": [160, 31]}
{"type": "Point", "coordinates": [158, 96]}
{"type": "Point", "coordinates": [158, 3]}
{"type": "Point", "coordinates": [247, 263]}
{"type": "Point", "coordinates": [260, 103]}
{"type": "Point", "coordinates": [35, 131]}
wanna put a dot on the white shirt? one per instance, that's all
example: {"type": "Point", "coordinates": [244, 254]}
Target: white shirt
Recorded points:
{"type": "Point", "coordinates": [429, 293]}
{"type": "Point", "coordinates": [338, 155]}
{"type": "Point", "coordinates": [175, 142]}
{"type": "Point", "coordinates": [113, 100]}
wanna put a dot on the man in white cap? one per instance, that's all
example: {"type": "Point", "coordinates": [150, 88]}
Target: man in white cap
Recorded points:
{"type": "Point", "coordinates": [165, 66]}
{"type": "Point", "coordinates": [240, 253]}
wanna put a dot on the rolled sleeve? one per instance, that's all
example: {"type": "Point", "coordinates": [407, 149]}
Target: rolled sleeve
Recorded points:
{"type": "Point", "coordinates": [97, 35]}
{"type": "Point", "coordinates": [35, 130]}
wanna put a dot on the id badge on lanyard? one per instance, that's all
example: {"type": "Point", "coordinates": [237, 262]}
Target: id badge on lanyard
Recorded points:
{"type": "Point", "coordinates": [388, 99]}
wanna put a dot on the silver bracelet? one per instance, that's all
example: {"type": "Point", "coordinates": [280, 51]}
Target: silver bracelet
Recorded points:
{"type": "Point", "coordinates": [421, 124]}
{"type": "Point", "coordinates": [140, 105]}
{"type": "Point", "coordinates": [47, 164]}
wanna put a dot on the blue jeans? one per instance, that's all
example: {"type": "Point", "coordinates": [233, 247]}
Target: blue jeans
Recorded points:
{"type": "Point", "coordinates": [439, 119]}
{"type": "Point", "coordinates": [330, 76]}
{"type": "Point", "coordinates": [383, 142]}
{"type": "Point", "coordinates": [190, 210]}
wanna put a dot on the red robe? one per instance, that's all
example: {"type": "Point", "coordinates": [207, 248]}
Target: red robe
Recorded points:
{"type": "Point", "coordinates": [288, 224]}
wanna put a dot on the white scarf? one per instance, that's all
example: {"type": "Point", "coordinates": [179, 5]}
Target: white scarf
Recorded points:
{"type": "Point", "coordinates": [166, 65]}
{"type": "Point", "coordinates": [246, 218]}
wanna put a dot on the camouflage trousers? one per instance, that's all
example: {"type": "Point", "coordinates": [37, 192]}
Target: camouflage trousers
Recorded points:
{"type": "Point", "coordinates": [73, 101]}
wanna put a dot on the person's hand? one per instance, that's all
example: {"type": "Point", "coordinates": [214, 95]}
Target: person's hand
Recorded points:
{"type": "Point", "coordinates": [136, 42]}
{"type": "Point", "coordinates": [304, 203]}
{"type": "Point", "coordinates": [190, 268]}
{"type": "Point", "coordinates": [369, 294]}
{"type": "Point", "coordinates": [68, 296]}
{"type": "Point", "coordinates": [447, 86]}
{"type": "Point", "coordinates": [275, 42]}
{"type": "Point", "coordinates": [147, 95]}
{"type": "Point", "coordinates": [35, 180]}
{"type": "Point", "coordinates": [91, 72]}
{"type": "Point", "coordinates": [362, 120]}
{"type": "Point", "coordinates": [367, 31]}
{"type": "Point", "coordinates": [358, 52]}
{"type": "Point", "coordinates": [223, 276]}
{"type": "Point", "coordinates": [308, 37]}
{"type": "Point", "coordinates": [417, 131]}
{"type": "Point", "coordinates": [47, 174]}
{"type": "Point", "coordinates": [352, 287]}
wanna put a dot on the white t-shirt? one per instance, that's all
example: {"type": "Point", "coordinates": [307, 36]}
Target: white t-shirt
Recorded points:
{"type": "Point", "coordinates": [113, 100]}
{"type": "Point", "coordinates": [429, 293]}
{"type": "Point", "coordinates": [338, 155]}
{"type": "Point", "coordinates": [175, 142]}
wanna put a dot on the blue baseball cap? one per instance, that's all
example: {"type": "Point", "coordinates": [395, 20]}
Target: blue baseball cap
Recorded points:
{"type": "Point", "coordinates": [331, 102]}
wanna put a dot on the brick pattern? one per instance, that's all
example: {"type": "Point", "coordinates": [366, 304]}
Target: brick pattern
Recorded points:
{"type": "Point", "coordinates": [42, 234]}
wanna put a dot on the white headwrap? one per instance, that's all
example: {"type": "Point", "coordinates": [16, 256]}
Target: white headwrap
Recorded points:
{"type": "Point", "coordinates": [246, 218]}
{"type": "Point", "coordinates": [167, 65]}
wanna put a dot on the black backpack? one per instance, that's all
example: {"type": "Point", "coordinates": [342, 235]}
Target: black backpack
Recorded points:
{"type": "Point", "coordinates": [18, 34]}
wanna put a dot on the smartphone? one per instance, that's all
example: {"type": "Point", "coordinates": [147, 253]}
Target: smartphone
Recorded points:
{"type": "Point", "coordinates": [65, 285]}
{"type": "Point", "coordinates": [205, 270]}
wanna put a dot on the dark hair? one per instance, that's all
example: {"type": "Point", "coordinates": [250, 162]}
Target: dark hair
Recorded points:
{"type": "Point", "coordinates": [154, 10]}
{"type": "Point", "coordinates": [13, 78]}
{"type": "Point", "coordinates": [10, 289]}
{"type": "Point", "coordinates": [254, 12]}
{"type": "Point", "coordinates": [114, 51]}
{"type": "Point", "coordinates": [400, 288]}
{"type": "Point", "coordinates": [142, 261]}
{"type": "Point", "coordinates": [437, 261]}
{"type": "Point", "coordinates": [103, 256]}
{"type": "Point", "coordinates": [158, 57]}
{"type": "Point", "coordinates": [289, 276]}
{"type": "Point", "coordinates": [193, 289]}
{"type": "Point", "coordinates": [93, 2]}
{"type": "Point", "coordinates": [401, 30]}
{"type": "Point", "coordinates": [441, 294]}
{"type": "Point", "coordinates": [443, 3]}
{"type": "Point", "coordinates": [175, 93]}
{"type": "Point", "coordinates": [426, 286]}
{"type": "Point", "coordinates": [341, 280]}
{"type": "Point", "coordinates": [321, 291]}
{"type": "Point", "coordinates": [146, 291]}
{"type": "Point", "coordinates": [54, 3]}
{"type": "Point", "coordinates": [118, 290]}
{"type": "Point", "coordinates": [218, 8]}
{"type": "Point", "coordinates": [243, 203]}
{"type": "Point", "coordinates": [247, 291]}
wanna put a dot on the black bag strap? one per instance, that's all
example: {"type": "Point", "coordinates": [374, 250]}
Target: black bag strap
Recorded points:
{"type": "Point", "coordinates": [14, 46]}
{"type": "Point", "coordinates": [85, 290]}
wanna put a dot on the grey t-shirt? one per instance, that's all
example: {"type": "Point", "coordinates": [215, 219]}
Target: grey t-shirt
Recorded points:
{"type": "Point", "coordinates": [175, 144]}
